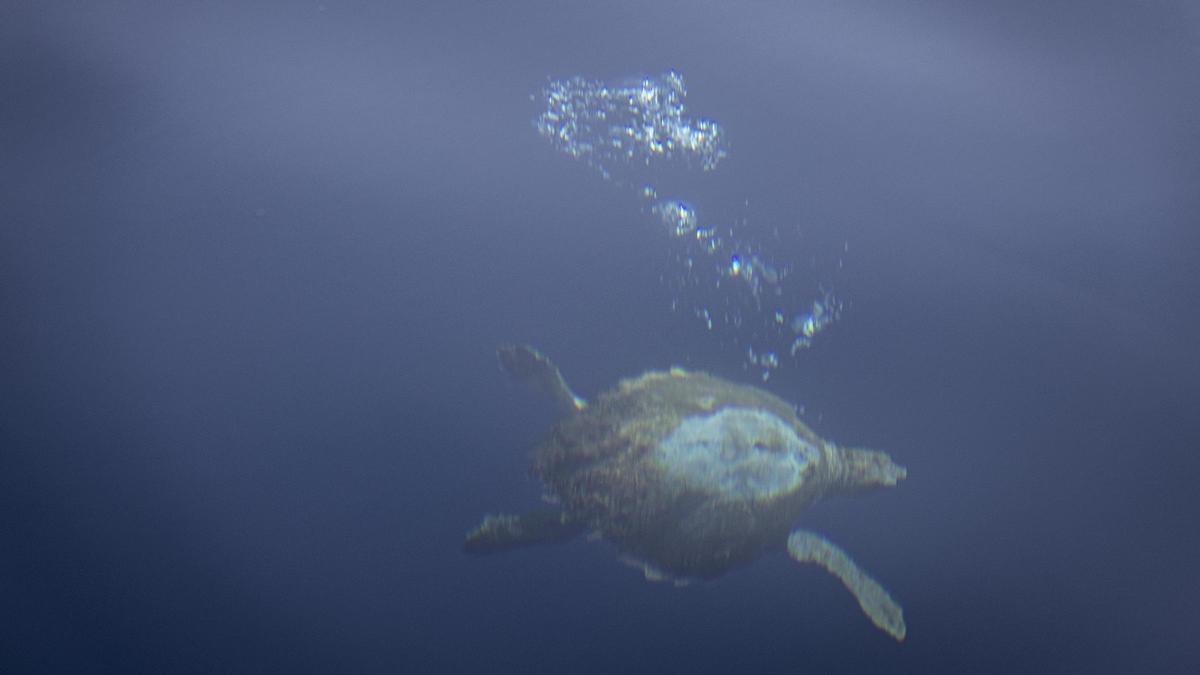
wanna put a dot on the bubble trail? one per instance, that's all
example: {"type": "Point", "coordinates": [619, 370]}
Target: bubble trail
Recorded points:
{"type": "Point", "coordinates": [730, 283]}
{"type": "Point", "coordinates": [642, 122]}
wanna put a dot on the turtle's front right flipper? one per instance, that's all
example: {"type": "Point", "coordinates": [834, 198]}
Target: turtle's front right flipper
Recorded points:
{"type": "Point", "coordinates": [876, 603]}
{"type": "Point", "coordinates": [503, 532]}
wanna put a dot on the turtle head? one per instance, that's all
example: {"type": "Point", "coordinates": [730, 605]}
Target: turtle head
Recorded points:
{"type": "Point", "coordinates": [858, 469]}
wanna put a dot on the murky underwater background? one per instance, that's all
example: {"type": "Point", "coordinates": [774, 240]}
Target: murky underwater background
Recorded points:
{"type": "Point", "coordinates": [255, 260]}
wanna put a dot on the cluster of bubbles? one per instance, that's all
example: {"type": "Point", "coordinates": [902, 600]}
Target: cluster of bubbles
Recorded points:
{"type": "Point", "coordinates": [726, 280]}
{"type": "Point", "coordinates": [643, 121]}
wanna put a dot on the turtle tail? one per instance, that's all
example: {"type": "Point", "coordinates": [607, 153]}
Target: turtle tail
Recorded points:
{"type": "Point", "coordinates": [499, 533]}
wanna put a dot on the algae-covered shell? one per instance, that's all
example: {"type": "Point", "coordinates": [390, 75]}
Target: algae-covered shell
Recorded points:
{"type": "Point", "coordinates": [688, 475]}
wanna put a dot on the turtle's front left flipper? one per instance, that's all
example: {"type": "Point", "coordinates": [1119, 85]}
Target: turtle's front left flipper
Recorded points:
{"type": "Point", "coordinates": [876, 603]}
{"type": "Point", "coordinates": [503, 532]}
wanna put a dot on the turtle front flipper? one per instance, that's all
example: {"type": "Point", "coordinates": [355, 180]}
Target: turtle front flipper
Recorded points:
{"type": "Point", "coordinates": [534, 368]}
{"type": "Point", "coordinates": [498, 533]}
{"type": "Point", "coordinates": [879, 607]}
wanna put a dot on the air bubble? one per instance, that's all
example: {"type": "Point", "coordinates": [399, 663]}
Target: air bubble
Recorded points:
{"type": "Point", "coordinates": [678, 216]}
{"type": "Point", "coordinates": [730, 280]}
{"type": "Point", "coordinates": [640, 122]}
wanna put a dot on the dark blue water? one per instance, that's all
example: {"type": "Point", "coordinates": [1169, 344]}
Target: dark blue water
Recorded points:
{"type": "Point", "coordinates": [255, 259]}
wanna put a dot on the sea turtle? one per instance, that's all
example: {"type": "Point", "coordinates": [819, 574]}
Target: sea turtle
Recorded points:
{"type": "Point", "coordinates": [689, 476]}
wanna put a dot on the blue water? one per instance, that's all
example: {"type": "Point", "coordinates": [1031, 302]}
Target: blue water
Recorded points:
{"type": "Point", "coordinates": [255, 260]}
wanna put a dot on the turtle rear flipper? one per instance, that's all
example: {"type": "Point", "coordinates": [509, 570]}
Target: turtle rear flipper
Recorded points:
{"type": "Point", "coordinates": [535, 369]}
{"type": "Point", "coordinates": [879, 607]}
{"type": "Point", "coordinates": [500, 533]}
